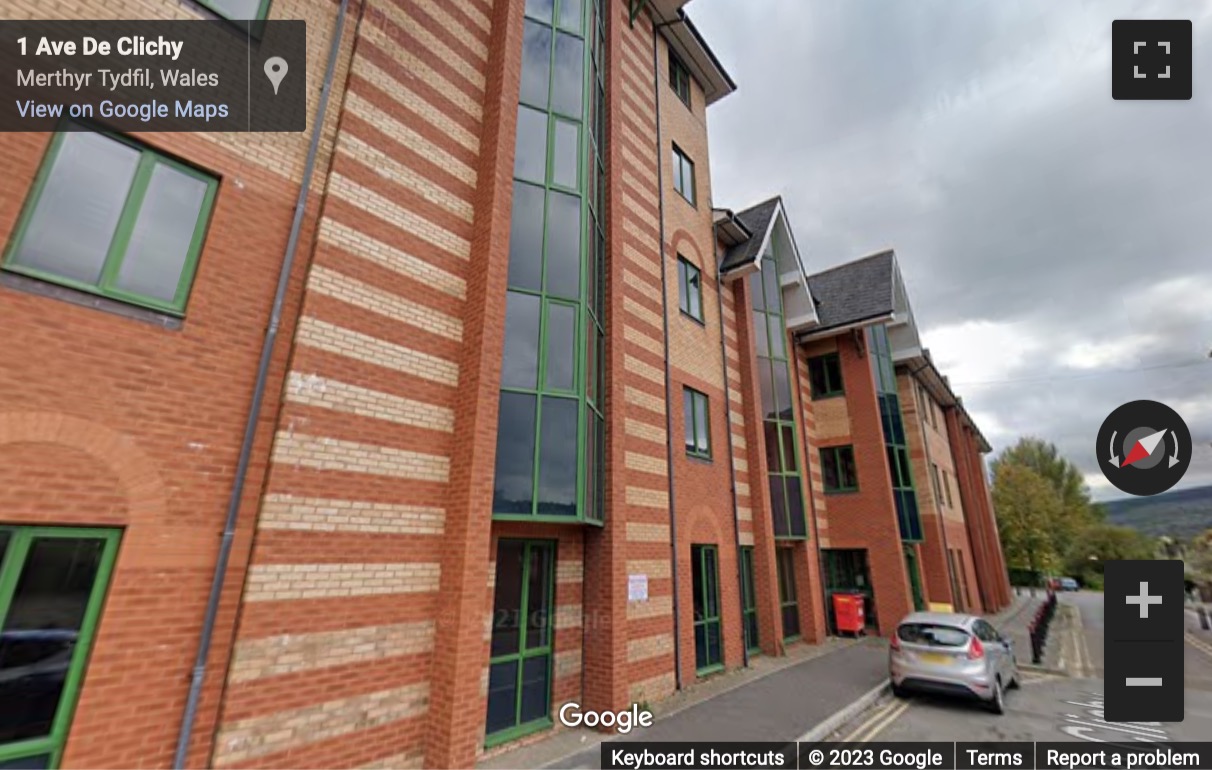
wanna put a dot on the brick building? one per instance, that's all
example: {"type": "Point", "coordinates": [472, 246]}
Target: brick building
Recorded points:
{"type": "Point", "coordinates": [539, 425]}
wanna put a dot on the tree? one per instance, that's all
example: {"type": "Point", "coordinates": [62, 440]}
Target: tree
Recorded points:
{"type": "Point", "coordinates": [1027, 507]}
{"type": "Point", "coordinates": [1076, 510]}
{"type": "Point", "coordinates": [1105, 542]}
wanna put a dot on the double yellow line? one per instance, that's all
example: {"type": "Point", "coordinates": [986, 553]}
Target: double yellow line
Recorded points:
{"type": "Point", "coordinates": [879, 720]}
{"type": "Point", "coordinates": [1199, 644]}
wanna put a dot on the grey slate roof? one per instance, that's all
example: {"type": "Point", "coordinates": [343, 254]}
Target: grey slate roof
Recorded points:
{"type": "Point", "coordinates": [855, 291]}
{"type": "Point", "coordinates": [756, 220]}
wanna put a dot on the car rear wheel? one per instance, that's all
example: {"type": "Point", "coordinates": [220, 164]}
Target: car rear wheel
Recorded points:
{"type": "Point", "coordinates": [997, 704]}
{"type": "Point", "coordinates": [899, 692]}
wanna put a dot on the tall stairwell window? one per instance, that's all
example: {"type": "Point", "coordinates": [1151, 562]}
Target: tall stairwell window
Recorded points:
{"type": "Point", "coordinates": [778, 410]}
{"type": "Point", "coordinates": [894, 434]}
{"type": "Point", "coordinates": [550, 434]}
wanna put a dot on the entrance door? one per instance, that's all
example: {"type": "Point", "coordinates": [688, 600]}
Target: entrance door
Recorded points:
{"type": "Point", "coordinates": [915, 578]}
{"type": "Point", "coordinates": [708, 645]}
{"type": "Point", "coordinates": [519, 675]}
{"type": "Point", "coordinates": [52, 585]}
{"type": "Point", "coordinates": [749, 615]}
{"type": "Point", "coordinates": [788, 600]}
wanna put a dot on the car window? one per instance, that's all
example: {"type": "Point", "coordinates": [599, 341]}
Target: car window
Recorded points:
{"type": "Point", "coordinates": [932, 635]}
{"type": "Point", "coordinates": [985, 632]}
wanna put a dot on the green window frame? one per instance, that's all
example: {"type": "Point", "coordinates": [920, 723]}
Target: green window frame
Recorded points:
{"type": "Point", "coordinates": [708, 631]}
{"type": "Point", "coordinates": [839, 473]}
{"type": "Point", "coordinates": [679, 78]}
{"type": "Point", "coordinates": [749, 616]}
{"type": "Point", "coordinates": [825, 376]}
{"type": "Point", "coordinates": [696, 416]}
{"type": "Point", "coordinates": [533, 622]}
{"type": "Point", "coordinates": [775, 385]}
{"type": "Point", "coordinates": [683, 175]}
{"type": "Point", "coordinates": [217, 7]}
{"type": "Point", "coordinates": [16, 544]}
{"type": "Point", "coordinates": [789, 603]}
{"type": "Point", "coordinates": [126, 224]}
{"type": "Point", "coordinates": [551, 428]}
{"type": "Point", "coordinates": [690, 289]}
{"type": "Point", "coordinates": [904, 493]}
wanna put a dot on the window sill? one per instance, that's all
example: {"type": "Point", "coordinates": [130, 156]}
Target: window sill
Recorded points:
{"type": "Point", "coordinates": [698, 321]}
{"type": "Point", "coordinates": [42, 288]}
{"type": "Point", "coordinates": [827, 396]}
{"type": "Point", "coordinates": [514, 733]}
{"type": "Point", "coordinates": [705, 459]}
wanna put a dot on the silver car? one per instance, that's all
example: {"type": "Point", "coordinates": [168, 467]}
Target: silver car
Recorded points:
{"type": "Point", "coordinates": [952, 654]}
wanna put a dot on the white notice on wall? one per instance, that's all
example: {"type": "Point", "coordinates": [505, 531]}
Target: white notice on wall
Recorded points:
{"type": "Point", "coordinates": [637, 588]}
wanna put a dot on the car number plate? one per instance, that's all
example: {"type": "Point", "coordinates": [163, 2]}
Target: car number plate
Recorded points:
{"type": "Point", "coordinates": [936, 658]}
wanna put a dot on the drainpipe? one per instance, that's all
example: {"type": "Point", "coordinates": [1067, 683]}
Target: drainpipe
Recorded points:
{"type": "Point", "coordinates": [205, 637]}
{"type": "Point", "coordinates": [673, 519]}
{"type": "Point", "coordinates": [820, 556]}
{"type": "Point", "coordinates": [736, 512]}
{"type": "Point", "coordinates": [952, 583]}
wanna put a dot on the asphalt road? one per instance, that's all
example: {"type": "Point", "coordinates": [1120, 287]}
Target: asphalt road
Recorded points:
{"type": "Point", "coordinates": [1048, 707]}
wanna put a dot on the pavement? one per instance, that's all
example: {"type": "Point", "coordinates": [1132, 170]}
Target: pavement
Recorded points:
{"type": "Point", "coordinates": [1064, 706]}
{"type": "Point", "coordinates": [780, 700]}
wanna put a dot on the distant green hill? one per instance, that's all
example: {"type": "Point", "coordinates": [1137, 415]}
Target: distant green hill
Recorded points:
{"type": "Point", "coordinates": [1178, 514]}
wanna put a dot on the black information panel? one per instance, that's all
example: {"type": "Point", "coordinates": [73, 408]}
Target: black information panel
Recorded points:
{"type": "Point", "coordinates": [203, 75]}
{"type": "Point", "coordinates": [1143, 646]}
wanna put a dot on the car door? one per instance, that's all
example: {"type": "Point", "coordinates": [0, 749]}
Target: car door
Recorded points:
{"type": "Point", "coordinates": [993, 647]}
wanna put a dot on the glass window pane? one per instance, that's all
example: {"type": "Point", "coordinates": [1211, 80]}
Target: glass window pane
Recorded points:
{"type": "Point", "coordinates": [795, 507]}
{"type": "Point", "coordinates": [711, 583]}
{"type": "Point", "coordinates": [788, 435]}
{"type": "Point", "coordinates": [782, 390]}
{"type": "Point", "coordinates": [530, 149]}
{"type": "Point", "coordinates": [591, 464]}
{"type": "Point", "coordinates": [502, 696]}
{"type": "Point", "coordinates": [571, 13]}
{"type": "Point", "coordinates": [507, 598]}
{"type": "Point", "coordinates": [41, 626]}
{"type": "Point", "coordinates": [38, 762]}
{"type": "Point", "coordinates": [526, 237]}
{"type": "Point", "coordinates": [755, 288]}
{"type": "Point", "coordinates": [777, 506]}
{"type": "Point", "coordinates": [538, 598]}
{"type": "Point", "coordinates": [540, 9]}
{"type": "Point", "coordinates": [558, 458]}
{"type": "Point", "coordinates": [598, 469]}
{"type": "Point", "coordinates": [713, 643]}
{"type": "Point", "coordinates": [567, 81]}
{"type": "Point", "coordinates": [770, 278]}
{"type": "Point", "coordinates": [848, 473]}
{"type": "Point", "coordinates": [791, 620]}
{"type": "Point", "coordinates": [565, 155]}
{"type": "Point", "coordinates": [829, 468]}
{"type": "Point", "coordinates": [513, 485]}
{"type": "Point", "coordinates": [564, 245]}
{"type": "Point", "coordinates": [536, 64]}
{"type": "Point", "coordinates": [688, 418]}
{"type": "Point", "coordinates": [761, 337]}
{"type": "Point", "coordinates": [677, 170]}
{"type": "Point", "coordinates": [535, 689]}
{"type": "Point", "coordinates": [695, 290]}
{"type": "Point", "coordinates": [163, 233]}
{"type": "Point", "coordinates": [701, 425]}
{"type": "Point", "coordinates": [561, 346]}
{"type": "Point", "coordinates": [683, 299]}
{"type": "Point", "coordinates": [76, 214]}
{"type": "Point", "coordinates": [700, 645]}
{"type": "Point", "coordinates": [778, 338]}
{"type": "Point", "coordinates": [766, 387]}
{"type": "Point", "coordinates": [591, 362]}
{"type": "Point", "coordinates": [696, 580]}
{"type": "Point", "coordinates": [240, 10]}
{"type": "Point", "coordinates": [774, 462]}
{"type": "Point", "coordinates": [520, 366]}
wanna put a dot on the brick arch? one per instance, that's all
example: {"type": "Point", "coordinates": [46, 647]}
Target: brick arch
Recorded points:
{"type": "Point", "coordinates": [682, 236]}
{"type": "Point", "coordinates": [136, 472]}
{"type": "Point", "coordinates": [703, 527]}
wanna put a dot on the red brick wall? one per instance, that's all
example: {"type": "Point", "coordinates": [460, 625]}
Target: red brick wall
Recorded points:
{"type": "Point", "coordinates": [865, 519]}
{"type": "Point", "coordinates": [109, 421]}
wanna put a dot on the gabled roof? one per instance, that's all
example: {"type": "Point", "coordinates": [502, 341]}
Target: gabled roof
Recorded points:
{"type": "Point", "coordinates": [691, 48]}
{"type": "Point", "coordinates": [857, 291]}
{"type": "Point", "coordinates": [755, 219]}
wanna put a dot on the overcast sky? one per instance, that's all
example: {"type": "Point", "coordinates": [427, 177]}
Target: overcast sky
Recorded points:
{"type": "Point", "coordinates": [1057, 244]}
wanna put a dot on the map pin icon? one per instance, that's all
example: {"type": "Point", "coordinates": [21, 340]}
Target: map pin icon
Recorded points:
{"type": "Point", "coordinates": [275, 70]}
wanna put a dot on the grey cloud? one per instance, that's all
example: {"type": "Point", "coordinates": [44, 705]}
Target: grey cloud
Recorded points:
{"type": "Point", "coordinates": [979, 139]}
